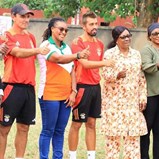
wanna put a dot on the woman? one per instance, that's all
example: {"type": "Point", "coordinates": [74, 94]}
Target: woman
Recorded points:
{"type": "Point", "coordinates": [57, 88]}
{"type": "Point", "coordinates": [150, 66]}
{"type": "Point", "coordinates": [123, 98]}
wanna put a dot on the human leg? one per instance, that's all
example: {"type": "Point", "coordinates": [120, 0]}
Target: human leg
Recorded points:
{"type": "Point", "coordinates": [73, 138]}
{"type": "Point", "coordinates": [21, 139]}
{"type": "Point", "coordinates": [91, 137]}
{"type": "Point", "coordinates": [112, 147]}
{"type": "Point", "coordinates": [149, 114]}
{"type": "Point", "coordinates": [49, 113]}
{"type": "Point", "coordinates": [131, 147]}
{"type": "Point", "coordinates": [155, 131]}
{"type": "Point", "coordinates": [58, 136]}
{"type": "Point", "coordinates": [4, 130]}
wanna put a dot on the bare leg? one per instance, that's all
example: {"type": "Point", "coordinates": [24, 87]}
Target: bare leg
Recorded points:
{"type": "Point", "coordinates": [91, 134]}
{"type": "Point", "coordinates": [74, 136]}
{"type": "Point", "coordinates": [4, 130]}
{"type": "Point", "coordinates": [21, 139]}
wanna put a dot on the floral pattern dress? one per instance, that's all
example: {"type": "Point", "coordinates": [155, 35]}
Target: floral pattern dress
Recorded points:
{"type": "Point", "coordinates": [121, 98]}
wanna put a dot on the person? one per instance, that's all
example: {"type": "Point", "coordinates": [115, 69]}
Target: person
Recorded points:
{"type": "Point", "coordinates": [150, 65]}
{"type": "Point", "coordinates": [18, 81]}
{"type": "Point", "coordinates": [3, 51]}
{"type": "Point", "coordinates": [123, 98]}
{"type": "Point", "coordinates": [87, 106]}
{"type": "Point", "coordinates": [57, 89]}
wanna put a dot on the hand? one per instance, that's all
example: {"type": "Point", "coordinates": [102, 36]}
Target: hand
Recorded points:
{"type": "Point", "coordinates": [157, 65]}
{"type": "Point", "coordinates": [3, 48]}
{"type": "Point", "coordinates": [84, 53]}
{"type": "Point", "coordinates": [44, 50]}
{"type": "Point", "coordinates": [142, 106]}
{"type": "Point", "coordinates": [71, 99]}
{"type": "Point", "coordinates": [121, 74]}
{"type": "Point", "coordinates": [109, 63]}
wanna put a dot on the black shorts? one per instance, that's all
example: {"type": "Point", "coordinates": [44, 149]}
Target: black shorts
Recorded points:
{"type": "Point", "coordinates": [88, 103]}
{"type": "Point", "coordinates": [18, 103]}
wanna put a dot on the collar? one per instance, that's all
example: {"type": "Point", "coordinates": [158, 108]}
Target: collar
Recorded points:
{"type": "Point", "coordinates": [51, 41]}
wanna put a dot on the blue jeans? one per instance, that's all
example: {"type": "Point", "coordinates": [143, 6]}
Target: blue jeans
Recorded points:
{"type": "Point", "coordinates": [55, 117]}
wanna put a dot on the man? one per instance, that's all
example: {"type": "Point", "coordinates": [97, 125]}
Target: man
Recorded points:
{"type": "Point", "coordinates": [18, 81]}
{"type": "Point", "coordinates": [88, 100]}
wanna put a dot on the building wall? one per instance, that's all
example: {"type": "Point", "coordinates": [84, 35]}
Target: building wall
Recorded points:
{"type": "Point", "coordinates": [37, 27]}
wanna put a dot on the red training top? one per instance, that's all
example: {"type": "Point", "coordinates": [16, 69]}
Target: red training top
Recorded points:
{"type": "Point", "coordinates": [19, 70]}
{"type": "Point", "coordinates": [96, 48]}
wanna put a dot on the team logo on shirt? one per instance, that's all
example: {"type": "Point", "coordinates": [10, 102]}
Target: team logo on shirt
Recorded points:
{"type": "Point", "coordinates": [6, 118]}
{"type": "Point", "coordinates": [99, 51]}
{"type": "Point", "coordinates": [83, 115]}
{"type": "Point", "coordinates": [17, 43]}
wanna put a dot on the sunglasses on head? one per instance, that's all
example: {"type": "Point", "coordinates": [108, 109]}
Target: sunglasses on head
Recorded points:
{"type": "Point", "coordinates": [62, 29]}
{"type": "Point", "coordinates": [125, 36]}
{"type": "Point", "coordinates": [155, 34]}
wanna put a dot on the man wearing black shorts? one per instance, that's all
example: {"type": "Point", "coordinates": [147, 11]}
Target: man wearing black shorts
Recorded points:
{"type": "Point", "coordinates": [18, 80]}
{"type": "Point", "coordinates": [88, 100]}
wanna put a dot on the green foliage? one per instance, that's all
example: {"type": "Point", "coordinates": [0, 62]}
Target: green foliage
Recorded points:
{"type": "Point", "coordinates": [33, 4]}
{"type": "Point", "coordinates": [108, 9]}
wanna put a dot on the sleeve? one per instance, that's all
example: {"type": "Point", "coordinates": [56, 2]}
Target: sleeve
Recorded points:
{"type": "Point", "coordinates": [47, 56]}
{"type": "Point", "coordinates": [109, 74]}
{"type": "Point", "coordinates": [142, 88]}
{"type": "Point", "coordinates": [11, 43]}
{"type": "Point", "coordinates": [148, 61]}
{"type": "Point", "coordinates": [32, 37]}
{"type": "Point", "coordinates": [77, 45]}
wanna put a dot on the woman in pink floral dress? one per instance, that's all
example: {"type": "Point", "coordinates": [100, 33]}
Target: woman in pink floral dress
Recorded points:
{"type": "Point", "coordinates": [124, 98]}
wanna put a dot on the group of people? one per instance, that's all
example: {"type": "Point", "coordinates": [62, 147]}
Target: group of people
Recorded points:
{"type": "Point", "coordinates": [70, 78]}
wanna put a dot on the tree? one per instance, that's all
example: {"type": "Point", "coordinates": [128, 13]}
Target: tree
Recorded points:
{"type": "Point", "coordinates": [33, 4]}
{"type": "Point", "coordinates": [144, 12]}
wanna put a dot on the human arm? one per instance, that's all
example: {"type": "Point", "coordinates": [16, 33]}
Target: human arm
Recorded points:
{"type": "Point", "coordinates": [17, 48]}
{"type": "Point", "coordinates": [71, 99]}
{"type": "Point", "coordinates": [23, 53]}
{"type": "Point", "coordinates": [96, 64]}
{"type": "Point", "coordinates": [3, 48]}
{"type": "Point", "coordinates": [149, 61]}
{"type": "Point", "coordinates": [62, 59]}
{"type": "Point", "coordinates": [142, 92]}
{"type": "Point", "coordinates": [1, 92]}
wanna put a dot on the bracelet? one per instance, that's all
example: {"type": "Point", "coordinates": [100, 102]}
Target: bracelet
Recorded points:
{"type": "Point", "coordinates": [78, 56]}
{"type": "Point", "coordinates": [74, 90]}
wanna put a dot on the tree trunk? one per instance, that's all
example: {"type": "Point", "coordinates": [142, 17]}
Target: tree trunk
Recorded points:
{"type": "Point", "coordinates": [146, 16]}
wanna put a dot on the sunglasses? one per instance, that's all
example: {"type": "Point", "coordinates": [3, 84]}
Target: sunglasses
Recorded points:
{"type": "Point", "coordinates": [155, 34]}
{"type": "Point", "coordinates": [125, 36]}
{"type": "Point", "coordinates": [62, 29]}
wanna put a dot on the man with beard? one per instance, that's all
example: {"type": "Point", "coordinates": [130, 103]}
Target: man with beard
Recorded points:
{"type": "Point", "coordinates": [87, 106]}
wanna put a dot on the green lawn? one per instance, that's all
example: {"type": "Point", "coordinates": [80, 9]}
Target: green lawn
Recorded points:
{"type": "Point", "coordinates": [32, 146]}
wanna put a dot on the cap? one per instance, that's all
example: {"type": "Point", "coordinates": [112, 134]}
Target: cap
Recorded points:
{"type": "Point", "coordinates": [21, 9]}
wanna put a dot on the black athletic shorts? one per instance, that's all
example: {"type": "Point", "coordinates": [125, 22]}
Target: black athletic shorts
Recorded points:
{"type": "Point", "coordinates": [88, 103]}
{"type": "Point", "coordinates": [18, 103]}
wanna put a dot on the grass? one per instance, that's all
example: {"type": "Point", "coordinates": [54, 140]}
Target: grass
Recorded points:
{"type": "Point", "coordinates": [32, 146]}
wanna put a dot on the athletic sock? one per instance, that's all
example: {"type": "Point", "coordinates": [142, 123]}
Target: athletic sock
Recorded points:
{"type": "Point", "coordinates": [91, 154]}
{"type": "Point", "coordinates": [72, 154]}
